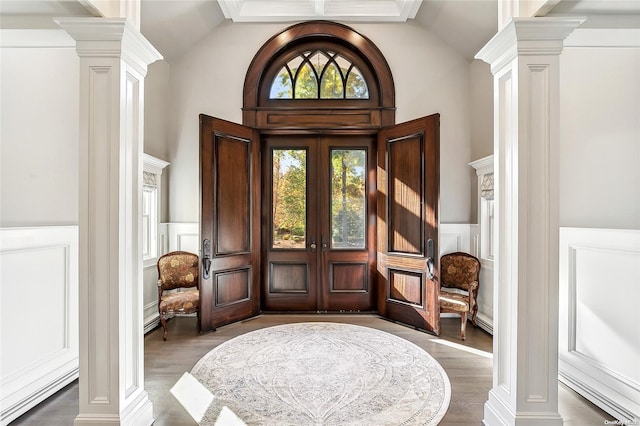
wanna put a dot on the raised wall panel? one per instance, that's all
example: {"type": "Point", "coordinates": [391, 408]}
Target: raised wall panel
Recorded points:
{"type": "Point", "coordinates": [454, 237]}
{"type": "Point", "coordinates": [348, 277]}
{"type": "Point", "coordinates": [599, 344]}
{"type": "Point", "coordinates": [406, 287]}
{"type": "Point", "coordinates": [406, 187]}
{"type": "Point", "coordinates": [289, 278]}
{"type": "Point", "coordinates": [232, 195]}
{"type": "Point", "coordinates": [38, 315]}
{"type": "Point", "coordinates": [232, 287]}
{"type": "Point", "coordinates": [182, 236]}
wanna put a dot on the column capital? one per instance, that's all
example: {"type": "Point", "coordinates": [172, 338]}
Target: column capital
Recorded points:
{"type": "Point", "coordinates": [527, 36]}
{"type": "Point", "coordinates": [111, 38]}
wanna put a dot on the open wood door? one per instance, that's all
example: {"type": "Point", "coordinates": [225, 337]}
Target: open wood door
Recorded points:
{"type": "Point", "coordinates": [229, 222]}
{"type": "Point", "coordinates": [408, 208]}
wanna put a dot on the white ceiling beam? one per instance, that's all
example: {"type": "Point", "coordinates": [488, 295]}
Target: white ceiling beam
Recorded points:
{"type": "Point", "coordinates": [295, 10]}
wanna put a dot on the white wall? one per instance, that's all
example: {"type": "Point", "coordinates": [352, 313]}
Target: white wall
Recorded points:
{"type": "Point", "coordinates": [156, 105]}
{"type": "Point", "coordinates": [428, 76]}
{"type": "Point", "coordinates": [156, 111]}
{"type": "Point", "coordinates": [39, 131]}
{"type": "Point", "coordinates": [481, 98]}
{"type": "Point", "coordinates": [600, 136]}
{"type": "Point", "coordinates": [599, 345]}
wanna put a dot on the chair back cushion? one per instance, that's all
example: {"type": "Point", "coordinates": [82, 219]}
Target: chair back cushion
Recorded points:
{"type": "Point", "coordinates": [178, 269]}
{"type": "Point", "coordinates": [459, 270]}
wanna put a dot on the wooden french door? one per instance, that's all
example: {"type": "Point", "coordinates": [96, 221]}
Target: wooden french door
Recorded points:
{"type": "Point", "coordinates": [364, 235]}
{"type": "Point", "coordinates": [408, 209]}
{"type": "Point", "coordinates": [230, 223]}
{"type": "Point", "coordinates": [319, 223]}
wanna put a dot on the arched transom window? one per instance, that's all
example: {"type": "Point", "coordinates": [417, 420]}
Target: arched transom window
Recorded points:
{"type": "Point", "coordinates": [319, 74]}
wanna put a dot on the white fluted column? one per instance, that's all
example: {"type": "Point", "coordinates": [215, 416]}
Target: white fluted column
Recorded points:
{"type": "Point", "coordinates": [524, 59]}
{"type": "Point", "coordinates": [113, 63]}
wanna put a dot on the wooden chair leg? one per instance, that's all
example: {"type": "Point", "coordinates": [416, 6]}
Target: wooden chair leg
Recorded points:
{"type": "Point", "coordinates": [473, 316]}
{"type": "Point", "coordinates": [463, 326]}
{"type": "Point", "coordinates": [163, 321]}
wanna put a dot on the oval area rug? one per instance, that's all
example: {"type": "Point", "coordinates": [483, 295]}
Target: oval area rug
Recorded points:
{"type": "Point", "coordinates": [323, 373]}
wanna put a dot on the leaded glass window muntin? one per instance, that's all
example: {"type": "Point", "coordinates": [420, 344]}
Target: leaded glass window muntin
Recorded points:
{"type": "Point", "coordinates": [319, 74]}
{"type": "Point", "coordinates": [320, 60]}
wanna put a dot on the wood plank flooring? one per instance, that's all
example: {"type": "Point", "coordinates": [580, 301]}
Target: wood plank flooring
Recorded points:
{"type": "Point", "coordinates": [468, 365]}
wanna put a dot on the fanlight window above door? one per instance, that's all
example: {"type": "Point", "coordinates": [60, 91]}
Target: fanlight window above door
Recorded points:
{"type": "Point", "coordinates": [319, 74]}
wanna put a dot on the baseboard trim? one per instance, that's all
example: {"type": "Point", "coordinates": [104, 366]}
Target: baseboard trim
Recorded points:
{"type": "Point", "coordinates": [16, 410]}
{"type": "Point", "coordinates": [607, 404]}
{"type": "Point", "coordinates": [485, 323]}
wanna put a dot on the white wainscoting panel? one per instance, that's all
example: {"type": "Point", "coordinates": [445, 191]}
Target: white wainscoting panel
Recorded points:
{"type": "Point", "coordinates": [455, 237]}
{"type": "Point", "coordinates": [599, 342]}
{"type": "Point", "coordinates": [484, 319]}
{"type": "Point", "coordinates": [150, 294]}
{"type": "Point", "coordinates": [38, 315]}
{"type": "Point", "coordinates": [184, 236]}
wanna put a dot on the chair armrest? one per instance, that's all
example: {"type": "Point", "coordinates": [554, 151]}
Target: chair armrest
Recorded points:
{"type": "Point", "coordinates": [473, 292]}
{"type": "Point", "coordinates": [159, 293]}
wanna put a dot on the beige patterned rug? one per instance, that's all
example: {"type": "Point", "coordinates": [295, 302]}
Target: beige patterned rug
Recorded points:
{"type": "Point", "coordinates": [323, 374]}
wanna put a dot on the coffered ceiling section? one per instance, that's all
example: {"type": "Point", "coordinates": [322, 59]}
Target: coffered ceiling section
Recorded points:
{"type": "Point", "coordinates": [295, 10]}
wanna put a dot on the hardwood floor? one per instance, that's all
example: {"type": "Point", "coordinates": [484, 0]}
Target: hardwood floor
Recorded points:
{"type": "Point", "coordinates": [468, 365]}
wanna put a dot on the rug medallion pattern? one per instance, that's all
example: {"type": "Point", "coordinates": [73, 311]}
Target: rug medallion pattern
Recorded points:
{"type": "Point", "coordinates": [324, 374]}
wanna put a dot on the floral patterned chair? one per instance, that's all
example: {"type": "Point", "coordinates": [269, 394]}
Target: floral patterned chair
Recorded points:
{"type": "Point", "coordinates": [177, 270]}
{"type": "Point", "coordinates": [459, 281]}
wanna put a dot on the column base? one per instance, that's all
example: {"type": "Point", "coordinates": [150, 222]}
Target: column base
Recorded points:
{"type": "Point", "coordinates": [497, 413]}
{"type": "Point", "coordinates": [139, 413]}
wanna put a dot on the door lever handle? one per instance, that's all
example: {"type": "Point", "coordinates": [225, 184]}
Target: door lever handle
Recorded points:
{"type": "Point", "coordinates": [206, 259]}
{"type": "Point", "coordinates": [430, 274]}
{"type": "Point", "coordinates": [430, 264]}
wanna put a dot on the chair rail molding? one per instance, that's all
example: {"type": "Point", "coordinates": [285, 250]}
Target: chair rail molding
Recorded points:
{"type": "Point", "coordinates": [36, 364]}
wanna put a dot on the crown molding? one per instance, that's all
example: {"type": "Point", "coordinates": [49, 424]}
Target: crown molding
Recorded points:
{"type": "Point", "coordinates": [154, 164]}
{"type": "Point", "coordinates": [110, 37]}
{"type": "Point", "coordinates": [483, 165]}
{"type": "Point", "coordinates": [528, 36]}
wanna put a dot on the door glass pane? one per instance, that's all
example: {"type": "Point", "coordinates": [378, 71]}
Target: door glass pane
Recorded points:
{"type": "Point", "coordinates": [348, 198]}
{"type": "Point", "coordinates": [289, 193]}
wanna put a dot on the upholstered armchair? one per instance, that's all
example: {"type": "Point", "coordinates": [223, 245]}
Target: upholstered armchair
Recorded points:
{"type": "Point", "coordinates": [177, 270]}
{"type": "Point", "coordinates": [459, 282]}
